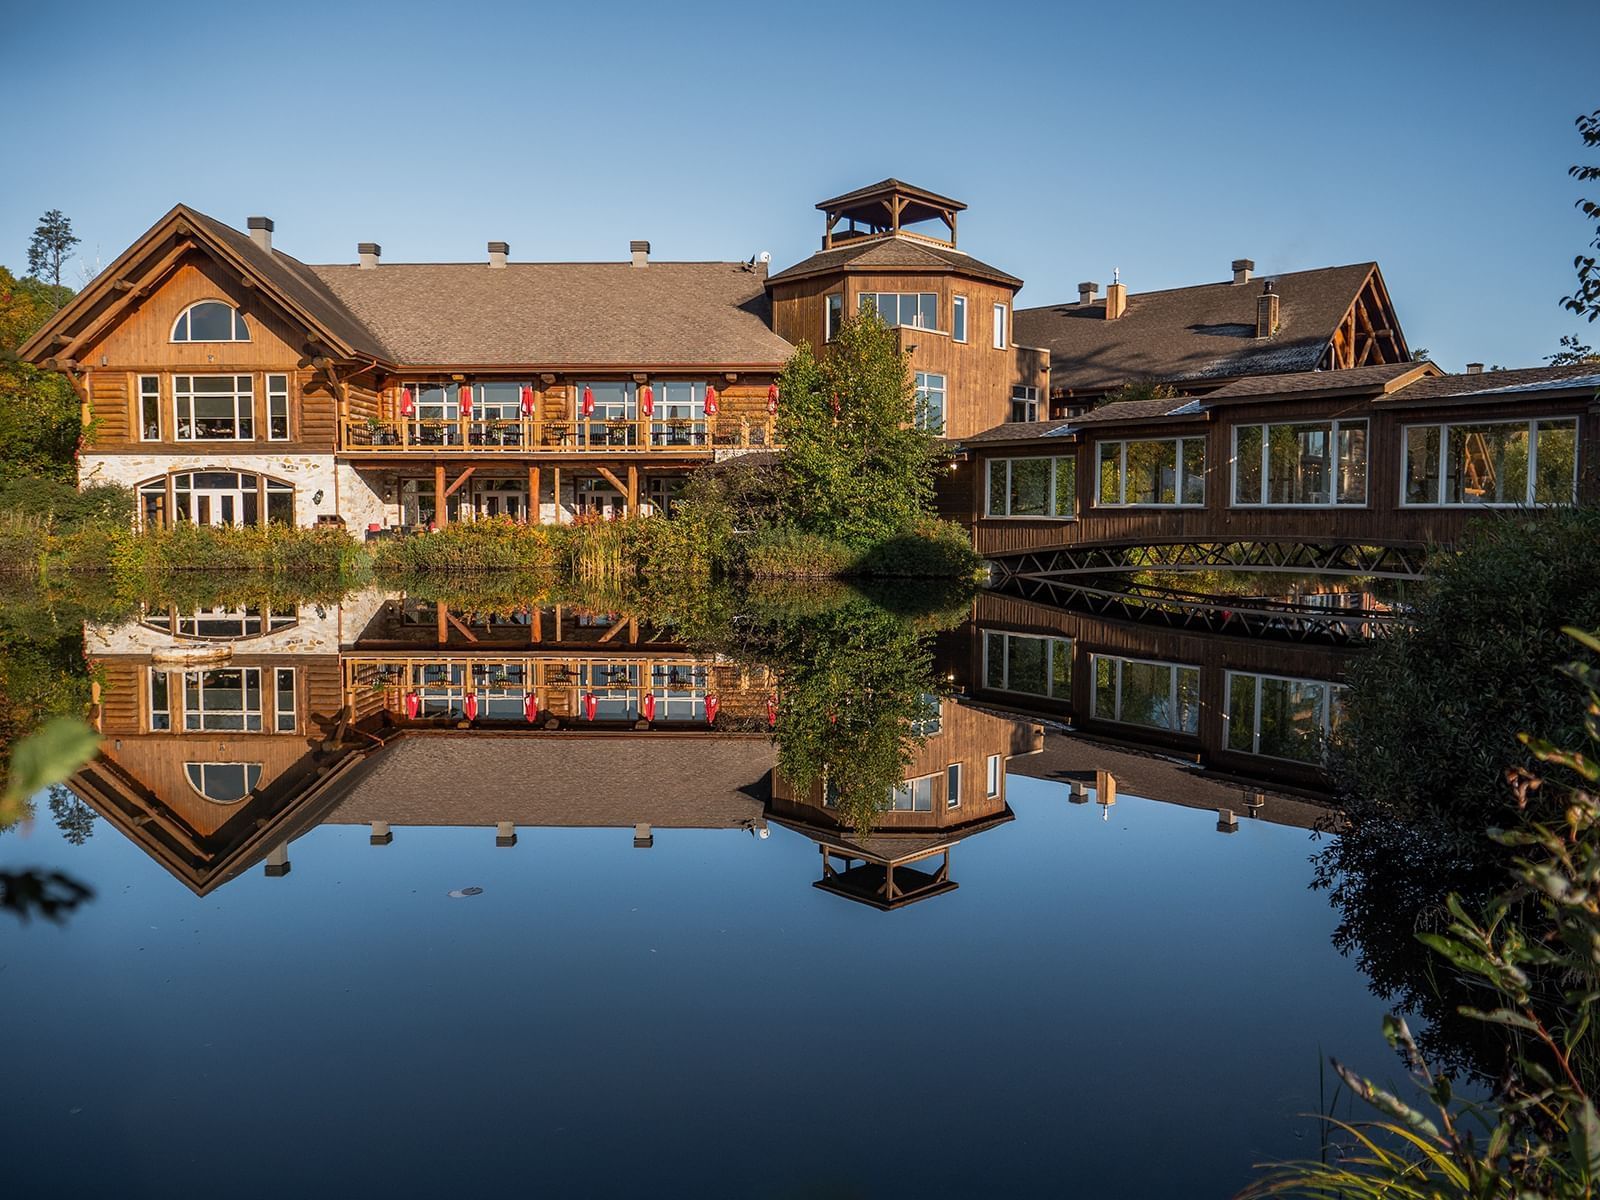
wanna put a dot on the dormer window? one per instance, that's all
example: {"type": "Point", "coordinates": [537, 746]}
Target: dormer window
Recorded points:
{"type": "Point", "coordinates": [210, 321]}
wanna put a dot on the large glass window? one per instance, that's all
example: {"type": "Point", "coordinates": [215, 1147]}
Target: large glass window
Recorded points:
{"type": "Point", "coordinates": [216, 498]}
{"type": "Point", "coordinates": [1168, 471]}
{"type": "Point", "coordinates": [920, 310]}
{"type": "Point", "coordinates": [958, 319]}
{"type": "Point", "coordinates": [1152, 694]}
{"type": "Point", "coordinates": [952, 786]}
{"type": "Point", "coordinates": [680, 413]}
{"type": "Point", "coordinates": [930, 402]}
{"type": "Point", "coordinates": [1024, 403]}
{"type": "Point", "coordinates": [1032, 487]}
{"type": "Point", "coordinates": [1280, 717]}
{"type": "Point", "coordinates": [931, 722]}
{"type": "Point", "coordinates": [150, 408]}
{"type": "Point", "coordinates": [223, 623]}
{"type": "Point", "coordinates": [914, 795]}
{"type": "Point", "coordinates": [227, 699]}
{"type": "Point", "coordinates": [615, 416]}
{"type": "Point", "coordinates": [1025, 663]}
{"type": "Point", "coordinates": [1305, 463]}
{"type": "Point", "coordinates": [210, 321]}
{"type": "Point", "coordinates": [1492, 462]}
{"type": "Point", "coordinates": [214, 408]}
{"type": "Point", "coordinates": [992, 773]}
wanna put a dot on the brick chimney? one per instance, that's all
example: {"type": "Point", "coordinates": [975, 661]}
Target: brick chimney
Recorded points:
{"type": "Point", "coordinates": [1242, 268]}
{"type": "Point", "coordinates": [1116, 298]}
{"type": "Point", "coordinates": [498, 252]}
{"type": "Point", "coordinates": [1474, 368]}
{"type": "Point", "coordinates": [640, 252]}
{"type": "Point", "coordinates": [261, 232]}
{"type": "Point", "coordinates": [1266, 311]}
{"type": "Point", "coordinates": [1087, 292]}
{"type": "Point", "coordinates": [369, 253]}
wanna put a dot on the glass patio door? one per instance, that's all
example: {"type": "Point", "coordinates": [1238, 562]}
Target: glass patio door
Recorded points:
{"type": "Point", "coordinates": [218, 506]}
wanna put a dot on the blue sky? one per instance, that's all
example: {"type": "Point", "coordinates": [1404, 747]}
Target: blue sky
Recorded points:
{"type": "Point", "coordinates": [1164, 140]}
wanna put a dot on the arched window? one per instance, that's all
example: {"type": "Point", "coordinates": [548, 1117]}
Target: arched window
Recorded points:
{"type": "Point", "coordinates": [210, 321]}
{"type": "Point", "coordinates": [216, 498]}
{"type": "Point", "coordinates": [225, 783]}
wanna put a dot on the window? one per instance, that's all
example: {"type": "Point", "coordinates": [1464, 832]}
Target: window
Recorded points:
{"type": "Point", "coordinates": [616, 409]}
{"type": "Point", "coordinates": [1170, 471]}
{"type": "Point", "coordinates": [615, 687]}
{"type": "Point", "coordinates": [278, 407]}
{"type": "Point", "coordinates": [930, 402]}
{"type": "Point", "coordinates": [150, 408]}
{"type": "Point", "coordinates": [992, 776]}
{"type": "Point", "coordinates": [160, 702]}
{"type": "Point", "coordinates": [1032, 487]}
{"type": "Point", "coordinates": [920, 310]}
{"type": "Point", "coordinates": [999, 326]}
{"type": "Point", "coordinates": [680, 414]}
{"type": "Point", "coordinates": [225, 783]}
{"type": "Point", "coordinates": [958, 318]}
{"type": "Point", "coordinates": [914, 795]}
{"type": "Point", "coordinates": [222, 623]}
{"type": "Point", "coordinates": [210, 321]}
{"type": "Point", "coordinates": [1024, 403]}
{"type": "Point", "coordinates": [227, 699]}
{"type": "Point", "coordinates": [952, 786]}
{"type": "Point", "coordinates": [217, 498]}
{"type": "Point", "coordinates": [1308, 463]}
{"type": "Point", "coordinates": [214, 408]}
{"type": "Point", "coordinates": [680, 690]}
{"type": "Point", "coordinates": [932, 719]}
{"type": "Point", "coordinates": [284, 706]}
{"type": "Point", "coordinates": [1492, 463]}
{"type": "Point", "coordinates": [835, 315]}
{"type": "Point", "coordinates": [1033, 666]}
{"type": "Point", "coordinates": [498, 400]}
{"type": "Point", "coordinates": [1152, 694]}
{"type": "Point", "coordinates": [1281, 718]}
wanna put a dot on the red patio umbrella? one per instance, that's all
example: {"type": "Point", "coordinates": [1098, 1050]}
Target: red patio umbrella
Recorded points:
{"type": "Point", "coordinates": [527, 402]}
{"type": "Point", "coordinates": [647, 401]}
{"type": "Point", "coordinates": [530, 708]}
{"type": "Point", "coordinates": [471, 706]}
{"type": "Point", "coordinates": [589, 706]}
{"type": "Point", "coordinates": [772, 712]}
{"type": "Point", "coordinates": [466, 400]}
{"type": "Point", "coordinates": [413, 705]}
{"type": "Point", "coordinates": [588, 401]}
{"type": "Point", "coordinates": [647, 707]}
{"type": "Point", "coordinates": [408, 406]}
{"type": "Point", "coordinates": [711, 710]}
{"type": "Point", "coordinates": [772, 399]}
{"type": "Point", "coordinates": [711, 402]}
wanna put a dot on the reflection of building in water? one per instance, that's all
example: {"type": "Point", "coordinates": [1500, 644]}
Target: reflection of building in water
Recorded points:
{"type": "Point", "coordinates": [955, 788]}
{"type": "Point", "coordinates": [1255, 708]}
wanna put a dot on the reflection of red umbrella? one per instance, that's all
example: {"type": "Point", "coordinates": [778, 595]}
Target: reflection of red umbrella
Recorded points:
{"type": "Point", "coordinates": [836, 404]}
{"type": "Point", "coordinates": [772, 712]}
{"type": "Point", "coordinates": [527, 402]}
{"type": "Point", "coordinates": [711, 710]}
{"type": "Point", "coordinates": [589, 705]}
{"type": "Point", "coordinates": [471, 706]}
{"type": "Point", "coordinates": [530, 707]}
{"type": "Point", "coordinates": [648, 706]}
{"type": "Point", "coordinates": [413, 705]}
{"type": "Point", "coordinates": [408, 406]}
{"type": "Point", "coordinates": [772, 399]}
{"type": "Point", "coordinates": [647, 400]}
{"type": "Point", "coordinates": [711, 402]}
{"type": "Point", "coordinates": [466, 400]}
{"type": "Point", "coordinates": [588, 401]}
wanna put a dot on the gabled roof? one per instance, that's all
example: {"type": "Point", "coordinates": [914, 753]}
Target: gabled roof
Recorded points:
{"type": "Point", "coordinates": [892, 252]}
{"type": "Point", "coordinates": [1193, 333]}
{"type": "Point", "coordinates": [563, 314]}
{"type": "Point", "coordinates": [884, 187]}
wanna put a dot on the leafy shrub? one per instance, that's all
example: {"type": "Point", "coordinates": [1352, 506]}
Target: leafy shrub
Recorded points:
{"type": "Point", "coordinates": [930, 549]}
{"type": "Point", "coordinates": [23, 539]}
{"type": "Point", "coordinates": [276, 549]}
{"type": "Point", "coordinates": [789, 554]}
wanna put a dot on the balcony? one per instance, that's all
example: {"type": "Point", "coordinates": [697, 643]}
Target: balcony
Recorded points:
{"type": "Point", "coordinates": [577, 437]}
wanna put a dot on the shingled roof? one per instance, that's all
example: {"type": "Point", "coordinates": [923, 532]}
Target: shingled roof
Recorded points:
{"type": "Point", "coordinates": [894, 253]}
{"type": "Point", "coordinates": [1504, 383]}
{"type": "Point", "coordinates": [1193, 333]}
{"type": "Point", "coordinates": [1383, 377]}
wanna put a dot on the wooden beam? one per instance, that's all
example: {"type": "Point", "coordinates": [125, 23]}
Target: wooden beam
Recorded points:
{"type": "Point", "coordinates": [633, 490]}
{"type": "Point", "coordinates": [605, 473]}
{"type": "Point", "coordinates": [460, 479]}
{"type": "Point", "coordinates": [462, 629]}
{"type": "Point", "coordinates": [535, 516]}
{"type": "Point", "coordinates": [113, 311]}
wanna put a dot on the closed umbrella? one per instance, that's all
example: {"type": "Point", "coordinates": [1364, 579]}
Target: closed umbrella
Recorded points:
{"type": "Point", "coordinates": [589, 706]}
{"type": "Point", "coordinates": [772, 712]}
{"type": "Point", "coordinates": [471, 706]}
{"type": "Point", "coordinates": [772, 399]}
{"type": "Point", "coordinates": [466, 400]}
{"type": "Point", "coordinates": [647, 400]}
{"type": "Point", "coordinates": [588, 401]}
{"type": "Point", "coordinates": [530, 708]}
{"type": "Point", "coordinates": [711, 710]}
{"type": "Point", "coordinates": [527, 402]}
{"type": "Point", "coordinates": [413, 705]}
{"type": "Point", "coordinates": [647, 706]}
{"type": "Point", "coordinates": [711, 402]}
{"type": "Point", "coordinates": [408, 406]}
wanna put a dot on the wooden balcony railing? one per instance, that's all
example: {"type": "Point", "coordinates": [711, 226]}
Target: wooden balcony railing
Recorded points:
{"type": "Point", "coordinates": [689, 436]}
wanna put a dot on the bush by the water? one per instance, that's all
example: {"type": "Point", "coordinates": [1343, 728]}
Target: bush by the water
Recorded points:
{"type": "Point", "coordinates": [276, 549]}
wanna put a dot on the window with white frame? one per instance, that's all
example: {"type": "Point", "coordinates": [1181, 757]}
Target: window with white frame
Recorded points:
{"type": "Point", "coordinates": [930, 402]}
{"type": "Point", "coordinates": [210, 321]}
{"type": "Point", "coordinates": [1027, 664]}
{"type": "Point", "coordinates": [213, 408]}
{"type": "Point", "coordinates": [1303, 463]}
{"type": "Point", "coordinates": [1024, 403]}
{"type": "Point", "coordinates": [1161, 471]}
{"type": "Point", "coordinates": [614, 686]}
{"type": "Point", "coordinates": [1031, 487]}
{"type": "Point", "coordinates": [277, 408]}
{"type": "Point", "coordinates": [919, 310]}
{"type": "Point", "coordinates": [223, 623]}
{"type": "Point", "coordinates": [223, 783]}
{"type": "Point", "coordinates": [835, 316]}
{"type": "Point", "coordinates": [616, 409]}
{"type": "Point", "coordinates": [225, 699]}
{"type": "Point", "coordinates": [914, 795]}
{"type": "Point", "coordinates": [1504, 463]}
{"type": "Point", "coordinates": [680, 690]}
{"type": "Point", "coordinates": [149, 408]}
{"type": "Point", "coordinates": [680, 413]}
{"type": "Point", "coordinates": [283, 699]}
{"type": "Point", "coordinates": [1155, 695]}
{"type": "Point", "coordinates": [160, 702]}
{"type": "Point", "coordinates": [999, 326]}
{"type": "Point", "coordinates": [952, 786]}
{"type": "Point", "coordinates": [992, 774]}
{"type": "Point", "coordinates": [1280, 717]}
{"type": "Point", "coordinates": [931, 721]}
{"type": "Point", "coordinates": [958, 318]}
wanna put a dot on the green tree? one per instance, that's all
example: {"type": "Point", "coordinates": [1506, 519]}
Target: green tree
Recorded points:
{"type": "Point", "coordinates": [1585, 301]}
{"type": "Point", "coordinates": [1140, 389]}
{"type": "Point", "coordinates": [855, 465]}
{"type": "Point", "coordinates": [39, 413]}
{"type": "Point", "coordinates": [52, 242]}
{"type": "Point", "coordinates": [1573, 353]}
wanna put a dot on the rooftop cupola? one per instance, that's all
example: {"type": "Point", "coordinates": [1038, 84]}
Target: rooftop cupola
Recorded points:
{"type": "Point", "coordinates": [886, 208]}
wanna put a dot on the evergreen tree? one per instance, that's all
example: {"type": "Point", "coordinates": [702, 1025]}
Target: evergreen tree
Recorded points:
{"type": "Point", "coordinates": [52, 241]}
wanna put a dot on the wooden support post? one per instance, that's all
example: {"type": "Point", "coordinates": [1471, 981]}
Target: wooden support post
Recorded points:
{"type": "Point", "coordinates": [555, 475]}
{"type": "Point", "coordinates": [633, 490]}
{"type": "Point", "coordinates": [535, 512]}
{"type": "Point", "coordinates": [441, 516]}
{"type": "Point", "coordinates": [442, 618]}
{"type": "Point", "coordinates": [610, 477]}
{"type": "Point", "coordinates": [460, 479]}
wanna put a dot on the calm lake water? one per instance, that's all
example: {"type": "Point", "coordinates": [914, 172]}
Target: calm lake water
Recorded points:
{"type": "Point", "coordinates": [278, 989]}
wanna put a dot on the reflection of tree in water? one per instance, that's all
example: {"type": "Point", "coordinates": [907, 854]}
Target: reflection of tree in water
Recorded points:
{"type": "Point", "coordinates": [72, 816]}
